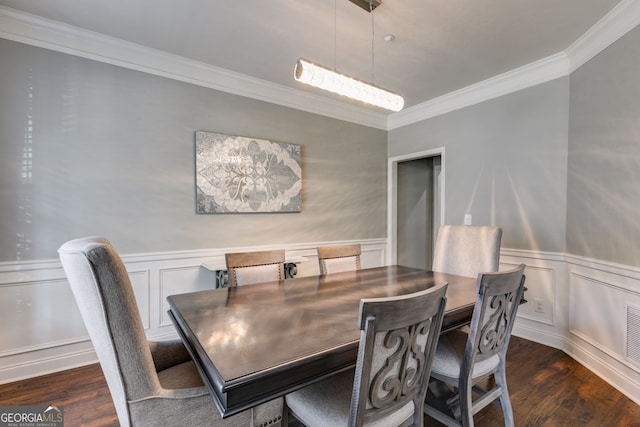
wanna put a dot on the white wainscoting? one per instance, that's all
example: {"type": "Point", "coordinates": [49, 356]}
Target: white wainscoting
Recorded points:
{"type": "Point", "coordinates": [545, 274]}
{"type": "Point", "coordinates": [582, 307]}
{"type": "Point", "coordinates": [584, 312]}
{"type": "Point", "coordinates": [42, 330]}
{"type": "Point", "coordinates": [598, 333]}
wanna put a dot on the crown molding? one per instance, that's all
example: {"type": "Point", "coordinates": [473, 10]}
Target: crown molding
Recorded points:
{"type": "Point", "coordinates": [620, 20]}
{"type": "Point", "coordinates": [533, 74]}
{"type": "Point", "coordinates": [615, 24]}
{"type": "Point", "coordinates": [37, 31]}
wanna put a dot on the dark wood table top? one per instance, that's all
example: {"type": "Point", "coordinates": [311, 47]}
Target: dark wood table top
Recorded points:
{"type": "Point", "coordinates": [257, 342]}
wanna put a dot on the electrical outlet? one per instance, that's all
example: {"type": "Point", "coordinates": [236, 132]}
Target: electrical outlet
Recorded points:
{"type": "Point", "coordinates": [538, 305]}
{"type": "Point", "coordinates": [467, 219]}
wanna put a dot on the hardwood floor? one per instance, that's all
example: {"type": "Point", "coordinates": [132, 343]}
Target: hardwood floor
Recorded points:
{"type": "Point", "coordinates": [547, 388]}
{"type": "Point", "coordinates": [82, 392]}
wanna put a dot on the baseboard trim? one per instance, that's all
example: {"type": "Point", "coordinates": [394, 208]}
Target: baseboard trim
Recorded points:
{"type": "Point", "coordinates": [605, 367]}
{"type": "Point", "coordinates": [539, 336]}
{"type": "Point", "coordinates": [47, 365]}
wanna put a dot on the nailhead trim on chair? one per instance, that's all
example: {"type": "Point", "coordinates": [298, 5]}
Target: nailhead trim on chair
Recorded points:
{"type": "Point", "coordinates": [273, 421]}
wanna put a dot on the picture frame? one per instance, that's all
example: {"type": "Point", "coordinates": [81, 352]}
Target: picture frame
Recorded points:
{"type": "Point", "coordinates": [237, 174]}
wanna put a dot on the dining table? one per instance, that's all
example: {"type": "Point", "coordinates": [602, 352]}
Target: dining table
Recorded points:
{"type": "Point", "coordinates": [254, 343]}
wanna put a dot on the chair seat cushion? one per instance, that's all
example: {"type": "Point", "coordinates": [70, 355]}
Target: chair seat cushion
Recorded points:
{"type": "Point", "coordinates": [448, 358]}
{"type": "Point", "coordinates": [183, 375]}
{"type": "Point", "coordinates": [328, 403]}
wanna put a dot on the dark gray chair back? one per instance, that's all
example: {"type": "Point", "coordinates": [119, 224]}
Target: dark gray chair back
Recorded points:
{"type": "Point", "coordinates": [397, 342]}
{"type": "Point", "coordinates": [462, 360]}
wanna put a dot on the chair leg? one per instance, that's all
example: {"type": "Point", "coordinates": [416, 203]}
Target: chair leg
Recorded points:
{"type": "Point", "coordinates": [505, 402]}
{"type": "Point", "coordinates": [466, 405]}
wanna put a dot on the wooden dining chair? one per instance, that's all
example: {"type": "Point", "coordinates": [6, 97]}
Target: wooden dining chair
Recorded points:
{"type": "Point", "coordinates": [246, 268]}
{"type": "Point", "coordinates": [467, 250]}
{"type": "Point", "coordinates": [387, 387]}
{"type": "Point", "coordinates": [463, 360]}
{"type": "Point", "coordinates": [151, 383]}
{"type": "Point", "coordinates": [335, 259]}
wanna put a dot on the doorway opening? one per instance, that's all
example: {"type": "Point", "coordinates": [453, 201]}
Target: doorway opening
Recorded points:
{"type": "Point", "coordinates": [416, 207]}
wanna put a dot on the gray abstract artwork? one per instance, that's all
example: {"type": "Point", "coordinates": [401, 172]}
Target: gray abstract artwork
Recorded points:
{"type": "Point", "coordinates": [236, 174]}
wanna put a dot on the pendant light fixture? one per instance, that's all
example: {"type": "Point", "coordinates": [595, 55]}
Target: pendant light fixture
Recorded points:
{"type": "Point", "coordinates": [332, 81]}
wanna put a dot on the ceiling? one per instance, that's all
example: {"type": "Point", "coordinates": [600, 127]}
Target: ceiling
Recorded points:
{"type": "Point", "coordinates": [440, 46]}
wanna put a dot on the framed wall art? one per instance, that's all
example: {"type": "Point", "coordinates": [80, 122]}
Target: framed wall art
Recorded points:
{"type": "Point", "coordinates": [236, 174]}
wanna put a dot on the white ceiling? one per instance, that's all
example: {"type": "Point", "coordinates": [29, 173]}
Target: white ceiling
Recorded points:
{"type": "Point", "coordinates": [440, 46]}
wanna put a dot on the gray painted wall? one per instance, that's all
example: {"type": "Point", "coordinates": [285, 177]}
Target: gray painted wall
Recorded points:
{"type": "Point", "coordinates": [505, 163]}
{"type": "Point", "coordinates": [603, 209]}
{"type": "Point", "coordinates": [88, 148]}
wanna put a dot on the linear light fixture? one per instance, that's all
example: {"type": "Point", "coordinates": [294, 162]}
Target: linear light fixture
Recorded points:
{"type": "Point", "coordinates": [324, 78]}
{"type": "Point", "coordinates": [367, 5]}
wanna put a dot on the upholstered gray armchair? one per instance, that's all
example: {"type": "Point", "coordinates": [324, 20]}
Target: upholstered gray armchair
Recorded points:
{"type": "Point", "coordinates": [467, 250]}
{"type": "Point", "coordinates": [151, 383]}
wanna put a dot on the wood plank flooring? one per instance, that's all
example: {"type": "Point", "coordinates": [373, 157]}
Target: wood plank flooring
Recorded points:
{"type": "Point", "coordinates": [547, 388]}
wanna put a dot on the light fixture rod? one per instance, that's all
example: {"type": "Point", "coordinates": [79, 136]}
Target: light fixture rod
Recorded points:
{"type": "Point", "coordinates": [324, 78]}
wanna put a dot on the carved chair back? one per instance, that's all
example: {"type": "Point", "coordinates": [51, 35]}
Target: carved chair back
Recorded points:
{"type": "Point", "coordinates": [398, 339]}
{"type": "Point", "coordinates": [462, 360]}
{"type": "Point", "coordinates": [498, 298]}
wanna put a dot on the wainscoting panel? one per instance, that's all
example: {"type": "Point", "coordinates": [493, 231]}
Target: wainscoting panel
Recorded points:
{"type": "Point", "coordinates": [49, 310]}
{"type": "Point", "coordinates": [141, 284]}
{"type": "Point", "coordinates": [598, 312]}
{"type": "Point", "coordinates": [540, 295]}
{"type": "Point", "coordinates": [179, 281]}
{"type": "Point", "coordinates": [41, 327]}
{"type": "Point", "coordinates": [372, 256]}
{"type": "Point", "coordinates": [542, 276]}
{"type": "Point", "coordinates": [588, 300]}
{"type": "Point", "coordinates": [600, 293]}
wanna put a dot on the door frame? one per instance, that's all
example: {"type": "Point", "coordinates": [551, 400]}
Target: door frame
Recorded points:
{"type": "Point", "coordinates": [392, 196]}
